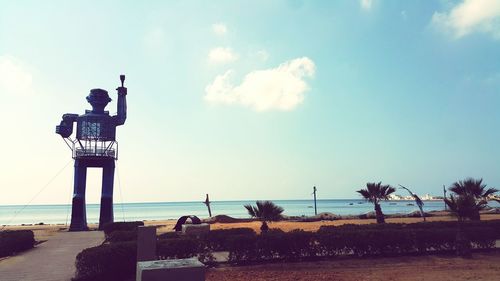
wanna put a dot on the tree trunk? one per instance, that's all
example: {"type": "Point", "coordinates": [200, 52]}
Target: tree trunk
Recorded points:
{"type": "Point", "coordinates": [379, 214]}
{"type": "Point", "coordinates": [475, 217]}
{"type": "Point", "coordinates": [462, 245]}
{"type": "Point", "coordinates": [264, 228]}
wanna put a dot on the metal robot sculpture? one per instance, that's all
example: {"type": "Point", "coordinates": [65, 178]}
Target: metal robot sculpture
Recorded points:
{"type": "Point", "coordinates": [94, 146]}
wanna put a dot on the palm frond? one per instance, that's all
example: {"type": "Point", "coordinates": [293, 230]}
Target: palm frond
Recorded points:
{"type": "Point", "coordinates": [464, 206]}
{"type": "Point", "coordinates": [265, 211]}
{"type": "Point", "coordinates": [417, 199]}
{"type": "Point", "coordinates": [472, 187]}
{"type": "Point", "coordinates": [251, 210]}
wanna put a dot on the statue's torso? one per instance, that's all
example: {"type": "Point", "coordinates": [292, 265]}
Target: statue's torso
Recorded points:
{"type": "Point", "coordinates": [96, 126]}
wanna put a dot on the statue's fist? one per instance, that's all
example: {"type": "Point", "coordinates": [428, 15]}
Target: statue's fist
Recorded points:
{"type": "Point", "coordinates": [63, 130]}
{"type": "Point", "coordinates": [122, 90]}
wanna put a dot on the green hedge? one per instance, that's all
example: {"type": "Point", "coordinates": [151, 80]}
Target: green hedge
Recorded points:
{"type": "Point", "coordinates": [184, 247]}
{"type": "Point", "coordinates": [169, 235]}
{"type": "Point", "coordinates": [15, 241]}
{"type": "Point", "coordinates": [419, 225]}
{"type": "Point", "coordinates": [122, 236]}
{"type": "Point", "coordinates": [115, 261]}
{"type": "Point", "coordinates": [217, 240]}
{"type": "Point", "coordinates": [121, 226]}
{"type": "Point", "coordinates": [360, 240]}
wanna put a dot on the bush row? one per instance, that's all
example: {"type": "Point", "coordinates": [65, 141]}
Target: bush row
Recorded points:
{"type": "Point", "coordinates": [115, 261]}
{"type": "Point", "coordinates": [419, 225]}
{"type": "Point", "coordinates": [121, 226]}
{"type": "Point", "coordinates": [15, 241]}
{"type": "Point", "coordinates": [300, 245]}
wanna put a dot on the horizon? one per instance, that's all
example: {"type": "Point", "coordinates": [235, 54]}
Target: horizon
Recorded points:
{"type": "Point", "coordinates": [212, 201]}
{"type": "Point", "coordinates": [326, 94]}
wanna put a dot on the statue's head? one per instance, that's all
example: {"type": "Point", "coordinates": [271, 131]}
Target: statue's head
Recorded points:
{"type": "Point", "coordinates": [98, 98]}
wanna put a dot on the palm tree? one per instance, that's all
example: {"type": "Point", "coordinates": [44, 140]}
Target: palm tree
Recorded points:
{"type": "Point", "coordinates": [463, 207]}
{"type": "Point", "coordinates": [476, 190]}
{"type": "Point", "coordinates": [376, 192]}
{"type": "Point", "coordinates": [265, 211]}
{"type": "Point", "coordinates": [419, 201]}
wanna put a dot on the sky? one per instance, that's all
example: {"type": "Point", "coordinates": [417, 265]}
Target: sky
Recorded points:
{"type": "Point", "coordinates": [253, 99]}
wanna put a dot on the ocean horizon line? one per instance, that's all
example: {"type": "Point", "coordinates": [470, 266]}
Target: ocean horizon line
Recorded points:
{"type": "Point", "coordinates": [201, 201]}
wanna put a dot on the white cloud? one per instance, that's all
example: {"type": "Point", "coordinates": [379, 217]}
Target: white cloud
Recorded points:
{"type": "Point", "coordinates": [281, 88]}
{"type": "Point", "coordinates": [219, 29]}
{"type": "Point", "coordinates": [366, 4]}
{"type": "Point", "coordinates": [471, 16]}
{"type": "Point", "coordinates": [222, 55]}
{"type": "Point", "coordinates": [15, 76]}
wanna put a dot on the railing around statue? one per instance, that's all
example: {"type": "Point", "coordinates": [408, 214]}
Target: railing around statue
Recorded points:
{"type": "Point", "coordinates": [94, 148]}
{"type": "Point", "coordinates": [91, 152]}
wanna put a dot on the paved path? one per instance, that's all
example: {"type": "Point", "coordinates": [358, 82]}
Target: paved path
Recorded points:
{"type": "Point", "coordinates": [53, 260]}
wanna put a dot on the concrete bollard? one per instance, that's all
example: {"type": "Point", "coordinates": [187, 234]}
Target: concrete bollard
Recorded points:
{"type": "Point", "coordinates": [171, 270]}
{"type": "Point", "coordinates": [195, 229]}
{"type": "Point", "coordinates": [146, 243]}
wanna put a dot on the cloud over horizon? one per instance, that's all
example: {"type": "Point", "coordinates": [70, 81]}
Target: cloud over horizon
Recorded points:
{"type": "Point", "coordinates": [470, 16]}
{"type": "Point", "coordinates": [281, 88]}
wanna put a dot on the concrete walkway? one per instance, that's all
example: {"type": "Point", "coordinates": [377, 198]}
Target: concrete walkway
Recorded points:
{"type": "Point", "coordinates": [53, 260]}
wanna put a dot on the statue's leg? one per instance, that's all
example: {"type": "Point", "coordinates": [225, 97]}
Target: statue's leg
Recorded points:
{"type": "Point", "coordinates": [108, 174]}
{"type": "Point", "coordinates": [78, 212]}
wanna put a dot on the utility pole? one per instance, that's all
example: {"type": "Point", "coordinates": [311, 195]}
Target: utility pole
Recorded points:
{"type": "Point", "coordinates": [315, 208]}
{"type": "Point", "coordinates": [207, 202]}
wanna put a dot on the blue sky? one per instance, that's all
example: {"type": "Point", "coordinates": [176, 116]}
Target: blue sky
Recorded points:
{"type": "Point", "coordinates": [254, 100]}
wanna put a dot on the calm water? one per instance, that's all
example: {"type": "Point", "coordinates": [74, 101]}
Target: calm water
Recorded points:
{"type": "Point", "coordinates": [172, 210]}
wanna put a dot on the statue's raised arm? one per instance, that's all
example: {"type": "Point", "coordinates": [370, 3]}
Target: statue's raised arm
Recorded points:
{"type": "Point", "coordinates": [121, 104]}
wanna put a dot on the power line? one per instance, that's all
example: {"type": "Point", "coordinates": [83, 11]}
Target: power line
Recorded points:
{"type": "Point", "coordinates": [120, 188]}
{"type": "Point", "coordinates": [36, 195]}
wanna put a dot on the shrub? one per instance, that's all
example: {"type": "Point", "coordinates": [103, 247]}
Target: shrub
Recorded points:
{"type": "Point", "coordinates": [217, 240]}
{"type": "Point", "coordinates": [482, 238]}
{"type": "Point", "coordinates": [183, 247]}
{"type": "Point", "coordinates": [115, 261]}
{"type": "Point", "coordinates": [242, 248]}
{"type": "Point", "coordinates": [294, 245]}
{"type": "Point", "coordinates": [359, 240]}
{"type": "Point", "coordinates": [122, 236]}
{"type": "Point", "coordinates": [15, 241]}
{"type": "Point", "coordinates": [435, 239]}
{"type": "Point", "coordinates": [121, 226]}
{"type": "Point", "coordinates": [168, 235]}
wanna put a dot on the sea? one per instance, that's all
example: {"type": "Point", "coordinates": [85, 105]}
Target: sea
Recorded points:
{"type": "Point", "coordinates": [60, 214]}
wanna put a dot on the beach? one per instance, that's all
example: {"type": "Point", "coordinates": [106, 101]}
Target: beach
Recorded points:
{"type": "Point", "coordinates": [43, 232]}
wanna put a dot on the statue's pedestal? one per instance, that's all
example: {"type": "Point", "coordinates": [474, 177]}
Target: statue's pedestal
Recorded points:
{"type": "Point", "coordinates": [195, 229]}
{"type": "Point", "coordinates": [171, 270]}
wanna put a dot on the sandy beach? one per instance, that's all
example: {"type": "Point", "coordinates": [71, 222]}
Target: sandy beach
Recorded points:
{"type": "Point", "coordinates": [43, 232]}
